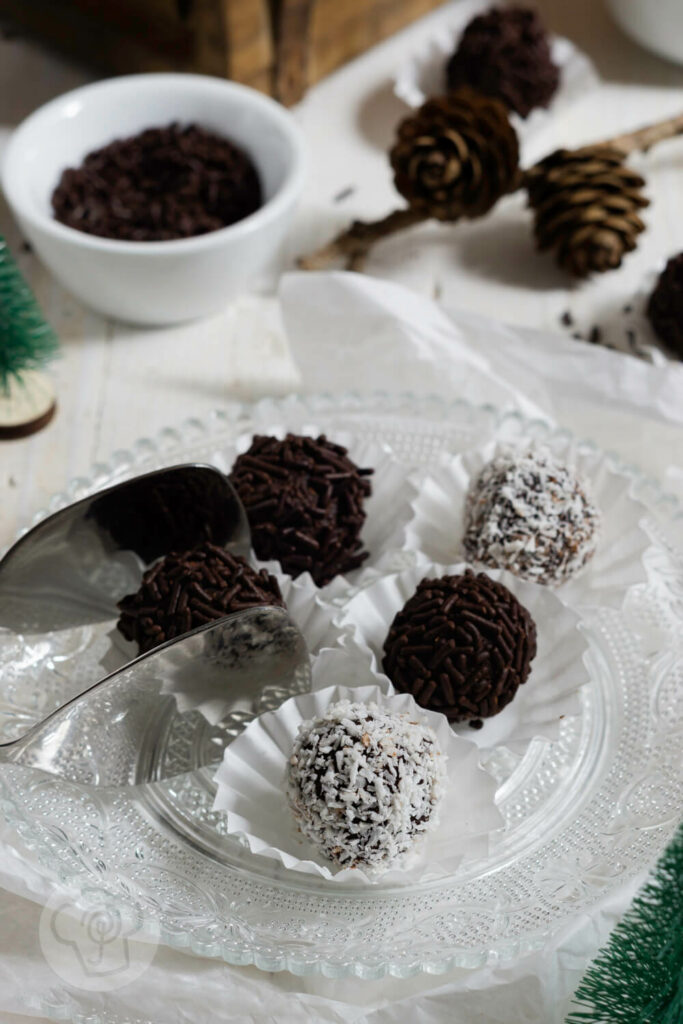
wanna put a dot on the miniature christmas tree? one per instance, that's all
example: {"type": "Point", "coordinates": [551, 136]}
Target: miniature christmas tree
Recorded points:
{"type": "Point", "coordinates": [638, 976]}
{"type": "Point", "coordinates": [27, 342]}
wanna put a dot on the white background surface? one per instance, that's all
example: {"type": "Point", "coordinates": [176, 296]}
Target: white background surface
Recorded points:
{"type": "Point", "coordinates": [116, 383]}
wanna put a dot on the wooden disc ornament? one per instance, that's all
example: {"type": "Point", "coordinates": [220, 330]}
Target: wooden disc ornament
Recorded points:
{"type": "Point", "coordinates": [26, 405]}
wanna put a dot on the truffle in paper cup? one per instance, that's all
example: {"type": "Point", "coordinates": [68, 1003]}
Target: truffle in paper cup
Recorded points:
{"type": "Point", "coordinates": [437, 527]}
{"type": "Point", "coordinates": [309, 612]}
{"type": "Point", "coordinates": [387, 508]}
{"type": "Point", "coordinates": [251, 790]}
{"type": "Point", "coordinates": [424, 74]}
{"type": "Point", "coordinates": [558, 671]}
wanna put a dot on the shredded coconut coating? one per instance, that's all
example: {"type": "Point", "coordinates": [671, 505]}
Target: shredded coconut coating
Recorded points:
{"type": "Point", "coordinates": [364, 785]}
{"type": "Point", "coordinates": [531, 515]}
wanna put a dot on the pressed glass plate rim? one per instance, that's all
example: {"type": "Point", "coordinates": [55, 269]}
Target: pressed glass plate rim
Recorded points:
{"type": "Point", "coordinates": [123, 464]}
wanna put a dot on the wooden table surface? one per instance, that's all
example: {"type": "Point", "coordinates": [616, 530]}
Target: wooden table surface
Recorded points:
{"type": "Point", "coordinates": [116, 383]}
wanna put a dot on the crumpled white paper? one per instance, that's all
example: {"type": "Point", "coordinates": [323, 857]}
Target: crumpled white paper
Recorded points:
{"type": "Point", "coordinates": [338, 321]}
{"type": "Point", "coordinates": [424, 75]}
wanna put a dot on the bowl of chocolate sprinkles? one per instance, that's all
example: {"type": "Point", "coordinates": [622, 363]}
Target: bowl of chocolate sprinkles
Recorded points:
{"type": "Point", "coordinates": [156, 198]}
{"type": "Point", "coordinates": [304, 500]}
{"type": "Point", "coordinates": [175, 181]}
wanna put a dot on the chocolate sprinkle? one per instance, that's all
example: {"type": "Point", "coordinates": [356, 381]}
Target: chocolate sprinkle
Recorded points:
{"type": "Point", "coordinates": [304, 500]}
{"type": "Point", "coordinates": [461, 645]}
{"type": "Point", "coordinates": [159, 185]}
{"type": "Point", "coordinates": [188, 589]}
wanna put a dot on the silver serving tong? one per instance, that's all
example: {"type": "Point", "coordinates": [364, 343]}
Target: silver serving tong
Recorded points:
{"type": "Point", "coordinates": [72, 568]}
{"type": "Point", "coordinates": [119, 732]}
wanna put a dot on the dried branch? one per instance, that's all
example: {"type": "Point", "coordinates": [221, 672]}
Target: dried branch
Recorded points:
{"type": "Point", "coordinates": [353, 245]}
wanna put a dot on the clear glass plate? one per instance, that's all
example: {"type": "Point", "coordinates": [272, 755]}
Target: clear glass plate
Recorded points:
{"type": "Point", "coordinates": [583, 814]}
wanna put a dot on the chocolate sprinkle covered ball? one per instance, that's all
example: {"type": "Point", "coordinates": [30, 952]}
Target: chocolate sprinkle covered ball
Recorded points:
{"type": "Point", "coordinates": [304, 500]}
{"type": "Point", "coordinates": [461, 645]}
{"type": "Point", "coordinates": [665, 306]}
{"type": "Point", "coordinates": [530, 515]}
{"type": "Point", "coordinates": [183, 591]}
{"type": "Point", "coordinates": [505, 53]}
{"type": "Point", "coordinates": [364, 785]}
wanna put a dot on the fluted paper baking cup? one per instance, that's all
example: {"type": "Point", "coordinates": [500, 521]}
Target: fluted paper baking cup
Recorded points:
{"type": "Point", "coordinates": [558, 671]}
{"type": "Point", "coordinates": [347, 666]}
{"type": "Point", "coordinates": [437, 527]}
{"type": "Point", "coordinates": [251, 792]}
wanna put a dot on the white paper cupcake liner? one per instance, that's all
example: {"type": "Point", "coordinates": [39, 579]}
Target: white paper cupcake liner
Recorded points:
{"type": "Point", "coordinates": [424, 74]}
{"type": "Point", "coordinates": [558, 671]}
{"type": "Point", "coordinates": [251, 790]}
{"type": "Point", "coordinates": [438, 524]}
{"type": "Point", "coordinates": [347, 666]}
{"type": "Point", "coordinates": [388, 509]}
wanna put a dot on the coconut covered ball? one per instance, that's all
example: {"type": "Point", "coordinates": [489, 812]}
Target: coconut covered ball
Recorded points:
{"type": "Point", "coordinates": [364, 785]}
{"type": "Point", "coordinates": [531, 515]}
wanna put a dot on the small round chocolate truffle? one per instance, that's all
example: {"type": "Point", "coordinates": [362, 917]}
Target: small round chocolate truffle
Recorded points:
{"type": "Point", "coordinates": [665, 306]}
{"type": "Point", "coordinates": [304, 500]}
{"type": "Point", "coordinates": [461, 645]}
{"type": "Point", "coordinates": [364, 784]}
{"type": "Point", "coordinates": [188, 589]}
{"type": "Point", "coordinates": [505, 53]}
{"type": "Point", "coordinates": [531, 515]}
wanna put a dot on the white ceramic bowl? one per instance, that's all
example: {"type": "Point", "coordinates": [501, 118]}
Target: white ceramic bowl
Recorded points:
{"type": "Point", "coordinates": [655, 24]}
{"type": "Point", "coordinates": [155, 282]}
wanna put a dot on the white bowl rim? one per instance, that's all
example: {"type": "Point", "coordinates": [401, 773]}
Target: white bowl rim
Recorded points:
{"type": "Point", "coordinates": [287, 192]}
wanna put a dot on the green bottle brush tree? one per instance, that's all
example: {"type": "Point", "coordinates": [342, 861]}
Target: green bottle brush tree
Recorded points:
{"type": "Point", "coordinates": [638, 977]}
{"type": "Point", "coordinates": [27, 343]}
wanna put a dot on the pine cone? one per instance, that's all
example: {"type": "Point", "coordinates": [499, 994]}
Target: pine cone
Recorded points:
{"type": "Point", "coordinates": [456, 156]}
{"type": "Point", "coordinates": [505, 53]}
{"type": "Point", "coordinates": [585, 204]}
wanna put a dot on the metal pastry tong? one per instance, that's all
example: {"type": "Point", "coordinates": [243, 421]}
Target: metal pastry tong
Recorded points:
{"type": "Point", "coordinates": [72, 568]}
